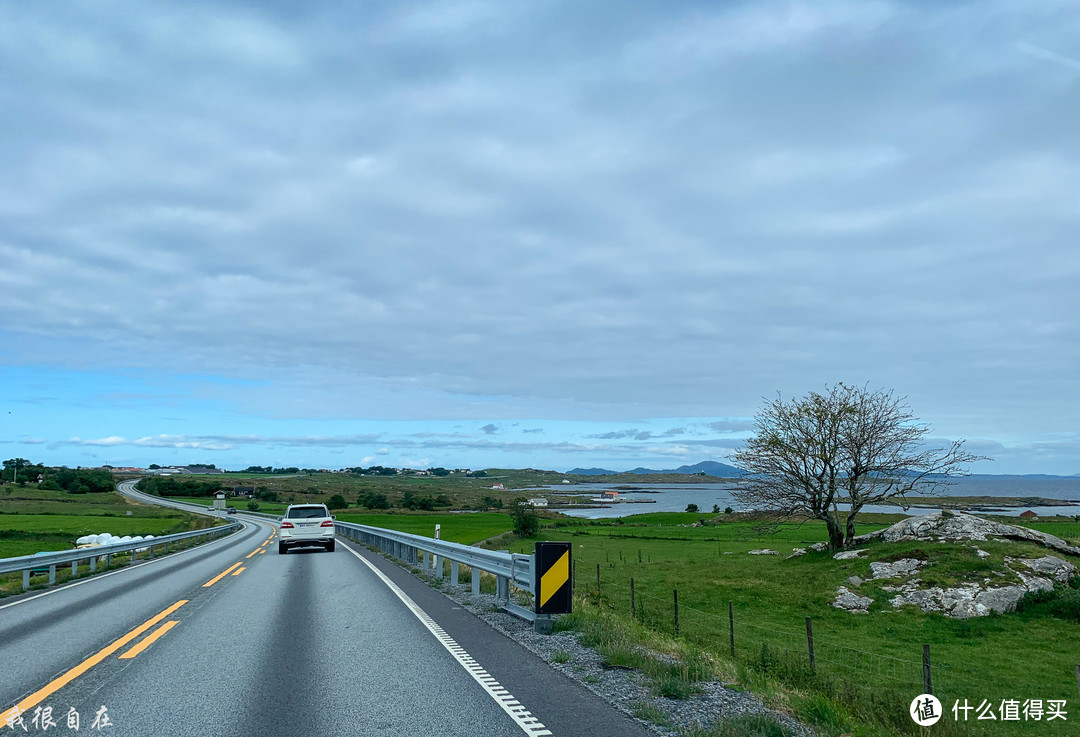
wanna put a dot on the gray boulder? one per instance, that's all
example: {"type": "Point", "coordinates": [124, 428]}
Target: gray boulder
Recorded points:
{"type": "Point", "coordinates": [1056, 568]}
{"type": "Point", "coordinates": [849, 554]}
{"type": "Point", "coordinates": [763, 551]}
{"type": "Point", "coordinates": [851, 602]}
{"type": "Point", "coordinates": [903, 567]}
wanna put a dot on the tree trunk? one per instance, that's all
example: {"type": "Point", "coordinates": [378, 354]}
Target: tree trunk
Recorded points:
{"type": "Point", "coordinates": [849, 538]}
{"type": "Point", "coordinates": [836, 532]}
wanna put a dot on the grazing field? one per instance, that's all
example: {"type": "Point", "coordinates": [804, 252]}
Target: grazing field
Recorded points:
{"type": "Point", "coordinates": [466, 528]}
{"type": "Point", "coordinates": [868, 666]}
{"type": "Point", "coordinates": [457, 491]}
{"type": "Point", "coordinates": [34, 520]}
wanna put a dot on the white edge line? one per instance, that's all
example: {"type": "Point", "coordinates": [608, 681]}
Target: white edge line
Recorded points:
{"type": "Point", "coordinates": [90, 578]}
{"type": "Point", "coordinates": [521, 716]}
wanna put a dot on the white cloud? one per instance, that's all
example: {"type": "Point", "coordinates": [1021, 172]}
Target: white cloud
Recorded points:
{"type": "Point", "coordinates": [488, 212]}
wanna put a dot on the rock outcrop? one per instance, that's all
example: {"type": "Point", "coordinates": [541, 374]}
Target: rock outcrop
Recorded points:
{"type": "Point", "coordinates": [763, 551]}
{"type": "Point", "coordinates": [968, 599]}
{"type": "Point", "coordinates": [903, 567]}
{"type": "Point", "coordinates": [951, 526]}
{"type": "Point", "coordinates": [852, 602]}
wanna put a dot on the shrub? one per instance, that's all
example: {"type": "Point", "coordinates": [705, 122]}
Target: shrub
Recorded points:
{"type": "Point", "coordinates": [253, 506]}
{"type": "Point", "coordinates": [1067, 604]}
{"type": "Point", "coordinates": [337, 501]}
{"type": "Point", "coordinates": [526, 521]}
{"type": "Point", "coordinates": [691, 507]}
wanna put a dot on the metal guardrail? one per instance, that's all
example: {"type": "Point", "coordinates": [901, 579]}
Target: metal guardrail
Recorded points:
{"type": "Point", "coordinates": [509, 569]}
{"type": "Point", "coordinates": [49, 561]}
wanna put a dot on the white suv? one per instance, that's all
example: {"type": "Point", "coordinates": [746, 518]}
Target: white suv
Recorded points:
{"type": "Point", "coordinates": [306, 524]}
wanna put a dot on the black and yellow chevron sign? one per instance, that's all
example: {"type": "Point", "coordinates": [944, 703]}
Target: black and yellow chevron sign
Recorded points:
{"type": "Point", "coordinates": [553, 586]}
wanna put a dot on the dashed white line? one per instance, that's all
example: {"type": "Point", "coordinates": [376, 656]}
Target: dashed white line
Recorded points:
{"type": "Point", "coordinates": [513, 708]}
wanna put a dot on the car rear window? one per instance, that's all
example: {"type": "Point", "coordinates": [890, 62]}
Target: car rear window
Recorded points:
{"type": "Point", "coordinates": [307, 512]}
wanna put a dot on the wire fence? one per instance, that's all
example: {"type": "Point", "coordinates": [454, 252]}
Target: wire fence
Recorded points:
{"type": "Point", "coordinates": [735, 632]}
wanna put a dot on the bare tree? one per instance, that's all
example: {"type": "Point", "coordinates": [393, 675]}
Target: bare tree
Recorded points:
{"type": "Point", "coordinates": [849, 444]}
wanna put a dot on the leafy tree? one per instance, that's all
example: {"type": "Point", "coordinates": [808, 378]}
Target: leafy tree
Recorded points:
{"type": "Point", "coordinates": [716, 509]}
{"type": "Point", "coordinates": [728, 510]}
{"type": "Point", "coordinates": [526, 521]}
{"type": "Point", "coordinates": [337, 501]}
{"type": "Point", "coordinates": [848, 445]}
{"type": "Point", "coordinates": [439, 471]}
{"type": "Point", "coordinates": [253, 506]}
{"type": "Point", "coordinates": [691, 507]}
{"type": "Point", "coordinates": [373, 500]}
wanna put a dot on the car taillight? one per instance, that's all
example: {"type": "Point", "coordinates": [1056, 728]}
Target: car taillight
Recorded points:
{"type": "Point", "coordinates": [287, 525]}
{"type": "Point", "coordinates": [327, 523]}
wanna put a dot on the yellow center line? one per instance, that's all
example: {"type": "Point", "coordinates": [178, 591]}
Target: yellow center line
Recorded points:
{"type": "Point", "coordinates": [239, 570]}
{"type": "Point", "coordinates": [149, 639]}
{"type": "Point", "coordinates": [58, 683]}
{"type": "Point", "coordinates": [220, 576]}
{"type": "Point", "coordinates": [253, 552]}
{"type": "Point", "coordinates": [262, 551]}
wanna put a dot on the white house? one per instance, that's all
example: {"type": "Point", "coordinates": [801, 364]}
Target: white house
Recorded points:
{"type": "Point", "coordinates": [538, 502]}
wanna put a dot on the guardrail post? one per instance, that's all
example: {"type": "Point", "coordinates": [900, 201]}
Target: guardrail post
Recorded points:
{"type": "Point", "coordinates": [475, 572]}
{"type": "Point", "coordinates": [26, 579]}
{"type": "Point", "coordinates": [108, 560]}
{"type": "Point", "coordinates": [52, 574]}
{"type": "Point", "coordinates": [151, 555]}
{"type": "Point", "coordinates": [74, 569]}
{"type": "Point", "coordinates": [93, 563]}
{"type": "Point", "coordinates": [502, 589]}
{"type": "Point", "coordinates": [453, 573]}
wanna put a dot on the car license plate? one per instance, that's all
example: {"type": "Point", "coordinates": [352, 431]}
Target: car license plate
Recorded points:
{"type": "Point", "coordinates": [307, 524]}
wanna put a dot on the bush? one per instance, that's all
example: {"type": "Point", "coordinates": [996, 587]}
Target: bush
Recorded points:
{"type": "Point", "coordinates": [337, 501]}
{"type": "Point", "coordinates": [1067, 604]}
{"type": "Point", "coordinates": [526, 522]}
{"type": "Point", "coordinates": [371, 500]}
{"type": "Point", "coordinates": [253, 506]}
{"type": "Point", "coordinates": [691, 507]}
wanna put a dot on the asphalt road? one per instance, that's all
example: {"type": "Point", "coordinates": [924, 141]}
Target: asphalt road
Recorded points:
{"type": "Point", "coordinates": [233, 639]}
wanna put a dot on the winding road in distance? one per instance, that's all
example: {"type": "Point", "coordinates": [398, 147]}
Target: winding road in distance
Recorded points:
{"type": "Point", "coordinates": [230, 638]}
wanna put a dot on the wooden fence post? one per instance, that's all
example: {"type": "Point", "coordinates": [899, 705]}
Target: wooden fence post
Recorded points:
{"type": "Point", "coordinates": [675, 592]}
{"type": "Point", "coordinates": [639, 555]}
{"type": "Point", "coordinates": [927, 684]}
{"type": "Point", "coordinates": [810, 641]}
{"type": "Point", "coordinates": [597, 579]}
{"type": "Point", "coordinates": [731, 626]}
{"type": "Point", "coordinates": [633, 604]}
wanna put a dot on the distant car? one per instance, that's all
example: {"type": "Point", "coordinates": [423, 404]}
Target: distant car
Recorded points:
{"type": "Point", "coordinates": [231, 510]}
{"type": "Point", "coordinates": [306, 524]}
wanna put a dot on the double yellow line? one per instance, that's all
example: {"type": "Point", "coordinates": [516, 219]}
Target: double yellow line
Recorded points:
{"type": "Point", "coordinates": [58, 683]}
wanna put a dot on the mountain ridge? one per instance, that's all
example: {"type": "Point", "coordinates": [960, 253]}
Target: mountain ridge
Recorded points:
{"type": "Point", "coordinates": [709, 468]}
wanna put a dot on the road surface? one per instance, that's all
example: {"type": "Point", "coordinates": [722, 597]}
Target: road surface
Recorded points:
{"type": "Point", "coordinates": [231, 638]}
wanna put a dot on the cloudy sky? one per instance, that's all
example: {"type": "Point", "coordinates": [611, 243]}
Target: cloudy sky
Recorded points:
{"type": "Point", "coordinates": [547, 234]}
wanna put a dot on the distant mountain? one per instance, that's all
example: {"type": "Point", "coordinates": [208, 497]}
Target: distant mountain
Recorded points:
{"type": "Point", "coordinates": [591, 472]}
{"type": "Point", "coordinates": [710, 468]}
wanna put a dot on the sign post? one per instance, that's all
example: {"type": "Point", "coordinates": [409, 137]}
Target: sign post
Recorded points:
{"type": "Point", "coordinates": [554, 593]}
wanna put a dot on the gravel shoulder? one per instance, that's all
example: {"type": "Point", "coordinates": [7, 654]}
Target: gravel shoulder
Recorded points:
{"type": "Point", "coordinates": [623, 688]}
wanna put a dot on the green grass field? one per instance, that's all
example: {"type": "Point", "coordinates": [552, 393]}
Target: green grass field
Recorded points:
{"type": "Point", "coordinates": [469, 528]}
{"type": "Point", "coordinates": [873, 658]}
{"type": "Point", "coordinates": [34, 520]}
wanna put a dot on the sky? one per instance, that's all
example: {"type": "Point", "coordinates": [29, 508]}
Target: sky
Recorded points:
{"type": "Point", "coordinates": [531, 234]}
